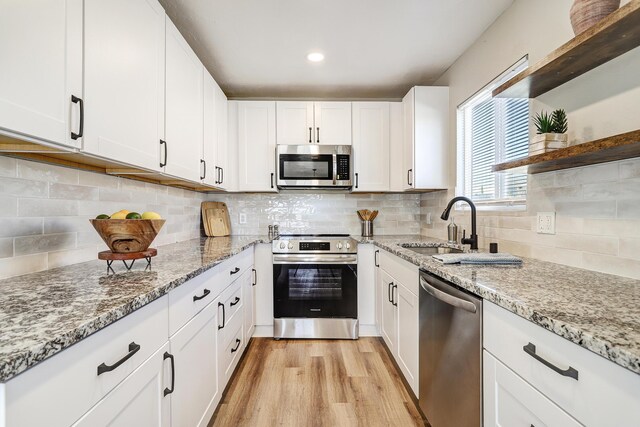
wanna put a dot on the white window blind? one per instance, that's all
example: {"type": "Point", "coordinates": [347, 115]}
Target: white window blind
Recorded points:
{"type": "Point", "coordinates": [490, 131]}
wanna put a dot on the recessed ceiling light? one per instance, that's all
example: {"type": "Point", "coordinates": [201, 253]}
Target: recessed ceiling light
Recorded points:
{"type": "Point", "coordinates": [315, 57]}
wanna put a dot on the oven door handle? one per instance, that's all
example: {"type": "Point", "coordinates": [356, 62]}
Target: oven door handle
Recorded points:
{"type": "Point", "coordinates": [315, 259]}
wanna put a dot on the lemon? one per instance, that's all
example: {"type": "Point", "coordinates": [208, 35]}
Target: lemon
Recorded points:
{"type": "Point", "coordinates": [151, 215]}
{"type": "Point", "coordinates": [133, 215]}
{"type": "Point", "coordinates": [119, 215]}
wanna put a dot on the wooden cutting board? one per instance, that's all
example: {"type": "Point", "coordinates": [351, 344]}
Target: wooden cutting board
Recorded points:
{"type": "Point", "coordinates": [215, 217]}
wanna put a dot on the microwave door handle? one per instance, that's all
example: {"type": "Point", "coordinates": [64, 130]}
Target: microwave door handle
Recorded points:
{"type": "Point", "coordinates": [335, 168]}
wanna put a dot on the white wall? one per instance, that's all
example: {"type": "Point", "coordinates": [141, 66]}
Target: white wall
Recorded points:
{"type": "Point", "coordinates": [598, 207]}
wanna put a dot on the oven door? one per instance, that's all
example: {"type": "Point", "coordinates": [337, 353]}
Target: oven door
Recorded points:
{"type": "Point", "coordinates": [315, 286]}
{"type": "Point", "coordinates": [305, 170]}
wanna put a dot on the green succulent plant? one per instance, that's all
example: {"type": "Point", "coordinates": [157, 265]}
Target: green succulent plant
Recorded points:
{"type": "Point", "coordinates": [556, 122]}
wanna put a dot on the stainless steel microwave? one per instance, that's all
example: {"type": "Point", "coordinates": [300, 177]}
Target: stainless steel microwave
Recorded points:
{"type": "Point", "coordinates": [314, 166]}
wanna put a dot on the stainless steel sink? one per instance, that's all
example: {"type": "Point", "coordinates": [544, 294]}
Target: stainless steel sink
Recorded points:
{"type": "Point", "coordinates": [433, 250]}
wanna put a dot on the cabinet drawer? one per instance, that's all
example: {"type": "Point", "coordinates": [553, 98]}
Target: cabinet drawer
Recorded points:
{"type": "Point", "coordinates": [232, 299]}
{"type": "Point", "coordinates": [189, 299]}
{"type": "Point", "coordinates": [61, 389]}
{"type": "Point", "coordinates": [401, 270]}
{"type": "Point", "coordinates": [603, 394]}
{"type": "Point", "coordinates": [236, 265]}
{"type": "Point", "coordinates": [510, 401]}
{"type": "Point", "coordinates": [232, 320]}
{"type": "Point", "coordinates": [231, 353]}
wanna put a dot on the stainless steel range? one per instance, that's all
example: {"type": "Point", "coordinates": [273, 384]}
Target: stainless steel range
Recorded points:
{"type": "Point", "coordinates": [315, 281]}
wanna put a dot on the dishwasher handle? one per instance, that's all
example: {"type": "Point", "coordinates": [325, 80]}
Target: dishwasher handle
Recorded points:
{"type": "Point", "coordinates": [447, 298]}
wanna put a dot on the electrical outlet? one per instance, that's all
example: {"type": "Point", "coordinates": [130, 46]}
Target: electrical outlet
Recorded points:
{"type": "Point", "coordinates": [243, 218]}
{"type": "Point", "coordinates": [546, 223]}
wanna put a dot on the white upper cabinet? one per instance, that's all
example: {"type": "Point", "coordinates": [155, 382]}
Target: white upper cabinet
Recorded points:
{"type": "Point", "coordinates": [326, 123]}
{"type": "Point", "coordinates": [426, 138]}
{"type": "Point", "coordinates": [210, 134]}
{"type": "Point", "coordinates": [41, 51]}
{"type": "Point", "coordinates": [294, 122]}
{"type": "Point", "coordinates": [332, 123]}
{"type": "Point", "coordinates": [124, 80]}
{"type": "Point", "coordinates": [184, 108]}
{"type": "Point", "coordinates": [257, 146]}
{"type": "Point", "coordinates": [371, 146]}
{"type": "Point", "coordinates": [224, 168]}
{"type": "Point", "coordinates": [396, 147]}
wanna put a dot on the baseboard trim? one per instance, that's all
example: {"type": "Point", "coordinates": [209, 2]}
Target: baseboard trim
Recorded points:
{"type": "Point", "coordinates": [369, 331]}
{"type": "Point", "coordinates": [263, 331]}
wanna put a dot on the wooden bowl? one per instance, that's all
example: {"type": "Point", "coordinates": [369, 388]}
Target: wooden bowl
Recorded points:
{"type": "Point", "coordinates": [128, 235]}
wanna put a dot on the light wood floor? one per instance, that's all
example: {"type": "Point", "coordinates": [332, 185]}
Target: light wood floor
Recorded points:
{"type": "Point", "coordinates": [317, 383]}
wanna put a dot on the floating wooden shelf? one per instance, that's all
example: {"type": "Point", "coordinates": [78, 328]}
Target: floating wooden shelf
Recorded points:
{"type": "Point", "coordinates": [616, 34]}
{"type": "Point", "coordinates": [617, 147]}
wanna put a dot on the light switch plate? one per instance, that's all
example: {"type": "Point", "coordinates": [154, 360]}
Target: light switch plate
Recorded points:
{"type": "Point", "coordinates": [546, 223]}
{"type": "Point", "coordinates": [243, 218]}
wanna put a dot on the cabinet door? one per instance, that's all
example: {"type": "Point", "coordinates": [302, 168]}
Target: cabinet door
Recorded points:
{"type": "Point", "coordinates": [195, 350]}
{"type": "Point", "coordinates": [332, 122]}
{"type": "Point", "coordinates": [248, 295]}
{"type": "Point", "coordinates": [511, 401]}
{"type": "Point", "coordinates": [431, 137]}
{"type": "Point", "coordinates": [408, 140]}
{"type": "Point", "coordinates": [294, 122]}
{"type": "Point", "coordinates": [371, 146]}
{"type": "Point", "coordinates": [388, 313]}
{"type": "Point", "coordinates": [396, 147]}
{"type": "Point", "coordinates": [184, 107]}
{"type": "Point", "coordinates": [264, 286]}
{"type": "Point", "coordinates": [41, 51]}
{"type": "Point", "coordinates": [407, 352]}
{"type": "Point", "coordinates": [210, 132]}
{"type": "Point", "coordinates": [222, 140]}
{"type": "Point", "coordinates": [124, 80]}
{"type": "Point", "coordinates": [257, 146]}
{"type": "Point", "coordinates": [139, 400]}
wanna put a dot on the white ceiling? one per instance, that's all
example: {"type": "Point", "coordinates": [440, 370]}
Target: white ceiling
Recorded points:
{"type": "Point", "coordinates": [373, 48]}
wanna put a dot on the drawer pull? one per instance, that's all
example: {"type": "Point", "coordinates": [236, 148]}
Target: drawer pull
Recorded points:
{"type": "Point", "coordinates": [235, 301]}
{"type": "Point", "coordinates": [168, 390]}
{"type": "Point", "coordinates": [204, 295]}
{"type": "Point", "coordinates": [233, 350]}
{"type": "Point", "coordinates": [255, 277]}
{"type": "Point", "coordinates": [223, 316]}
{"type": "Point", "coordinates": [530, 349]}
{"type": "Point", "coordinates": [375, 258]}
{"type": "Point", "coordinates": [133, 349]}
{"type": "Point", "coordinates": [234, 271]}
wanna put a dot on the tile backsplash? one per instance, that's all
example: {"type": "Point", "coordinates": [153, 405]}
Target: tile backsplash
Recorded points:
{"type": "Point", "coordinates": [45, 212]}
{"type": "Point", "coordinates": [597, 219]}
{"type": "Point", "coordinates": [308, 212]}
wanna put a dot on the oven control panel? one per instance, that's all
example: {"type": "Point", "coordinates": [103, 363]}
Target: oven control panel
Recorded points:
{"type": "Point", "coordinates": [345, 245]}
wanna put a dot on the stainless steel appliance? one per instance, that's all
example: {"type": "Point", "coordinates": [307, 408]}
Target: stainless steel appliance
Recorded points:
{"type": "Point", "coordinates": [313, 166]}
{"type": "Point", "coordinates": [315, 286]}
{"type": "Point", "coordinates": [450, 363]}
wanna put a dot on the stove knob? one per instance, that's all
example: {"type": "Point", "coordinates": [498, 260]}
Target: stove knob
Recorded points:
{"type": "Point", "coordinates": [348, 245]}
{"type": "Point", "coordinates": [290, 246]}
{"type": "Point", "coordinates": [339, 245]}
{"type": "Point", "coordinates": [282, 245]}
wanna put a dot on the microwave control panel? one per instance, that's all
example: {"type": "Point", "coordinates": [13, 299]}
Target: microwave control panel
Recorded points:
{"type": "Point", "coordinates": [343, 172]}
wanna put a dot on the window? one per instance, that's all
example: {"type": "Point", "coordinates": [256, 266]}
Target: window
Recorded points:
{"type": "Point", "coordinates": [493, 131]}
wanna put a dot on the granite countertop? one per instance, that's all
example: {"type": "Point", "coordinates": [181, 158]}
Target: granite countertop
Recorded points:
{"type": "Point", "coordinates": [600, 312]}
{"type": "Point", "coordinates": [43, 313]}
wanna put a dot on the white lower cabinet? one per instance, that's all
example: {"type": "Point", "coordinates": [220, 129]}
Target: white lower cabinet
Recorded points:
{"type": "Point", "coordinates": [511, 401]}
{"type": "Point", "coordinates": [194, 347]}
{"type": "Point", "coordinates": [398, 313]}
{"type": "Point", "coordinates": [140, 400]}
{"type": "Point", "coordinates": [165, 364]}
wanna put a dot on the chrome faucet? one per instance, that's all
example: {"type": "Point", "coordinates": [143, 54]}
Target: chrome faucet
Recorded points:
{"type": "Point", "coordinates": [473, 240]}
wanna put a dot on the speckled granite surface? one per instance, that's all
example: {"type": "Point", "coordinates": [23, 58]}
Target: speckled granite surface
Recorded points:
{"type": "Point", "coordinates": [600, 312]}
{"type": "Point", "coordinates": [44, 313]}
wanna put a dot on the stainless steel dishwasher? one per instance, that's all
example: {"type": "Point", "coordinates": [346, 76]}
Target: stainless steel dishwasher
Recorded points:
{"type": "Point", "coordinates": [450, 354]}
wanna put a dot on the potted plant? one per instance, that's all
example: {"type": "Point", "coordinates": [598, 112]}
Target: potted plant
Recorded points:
{"type": "Point", "coordinates": [551, 132]}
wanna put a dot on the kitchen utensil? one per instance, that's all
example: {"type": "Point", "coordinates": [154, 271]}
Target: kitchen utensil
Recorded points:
{"type": "Point", "coordinates": [215, 217]}
{"type": "Point", "coordinates": [127, 235]}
